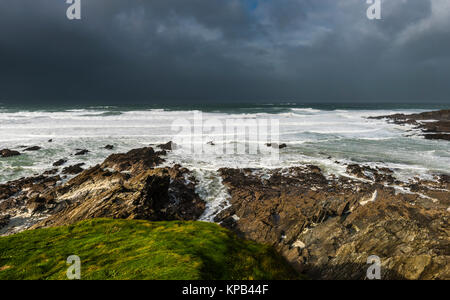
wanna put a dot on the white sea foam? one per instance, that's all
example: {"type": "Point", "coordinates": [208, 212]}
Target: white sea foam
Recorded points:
{"type": "Point", "coordinates": [326, 138]}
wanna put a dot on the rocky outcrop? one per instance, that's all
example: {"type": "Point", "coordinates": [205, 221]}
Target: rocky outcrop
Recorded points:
{"type": "Point", "coordinates": [82, 152]}
{"type": "Point", "coordinates": [434, 124]}
{"type": "Point", "coordinates": [59, 162]}
{"type": "Point", "coordinates": [33, 148]}
{"type": "Point", "coordinates": [135, 161]}
{"type": "Point", "coordinates": [8, 153]}
{"type": "Point", "coordinates": [4, 220]}
{"type": "Point", "coordinates": [279, 146]}
{"type": "Point", "coordinates": [73, 170]}
{"type": "Point", "coordinates": [168, 146]}
{"type": "Point", "coordinates": [23, 203]}
{"type": "Point", "coordinates": [328, 227]}
{"type": "Point", "coordinates": [126, 186]}
{"type": "Point", "coordinates": [378, 175]}
{"type": "Point", "coordinates": [158, 194]}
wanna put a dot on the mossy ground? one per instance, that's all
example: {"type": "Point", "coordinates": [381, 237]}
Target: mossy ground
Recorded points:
{"type": "Point", "coordinates": [125, 249]}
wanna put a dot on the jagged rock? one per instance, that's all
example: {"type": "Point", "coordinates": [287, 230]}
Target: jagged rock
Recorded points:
{"type": "Point", "coordinates": [136, 160]}
{"type": "Point", "coordinates": [82, 152]}
{"type": "Point", "coordinates": [124, 186]}
{"type": "Point", "coordinates": [51, 172]}
{"type": "Point", "coordinates": [33, 148]}
{"type": "Point", "coordinates": [73, 170]}
{"type": "Point", "coordinates": [19, 197]}
{"type": "Point", "coordinates": [440, 126]}
{"type": "Point", "coordinates": [279, 146]}
{"type": "Point", "coordinates": [168, 146]}
{"type": "Point", "coordinates": [59, 162]}
{"type": "Point", "coordinates": [437, 136]}
{"type": "Point", "coordinates": [9, 153]}
{"type": "Point", "coordinates": [36, 204]}
{"type": "Point", "coordinates": [4, 220]}
{"type": "Point", "coordinates": [327, 228]}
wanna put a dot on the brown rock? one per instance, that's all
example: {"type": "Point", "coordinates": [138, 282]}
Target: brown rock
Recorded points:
{"type": "Point", "coordinates": [437, 136]}
{"type": "Point", "coordinates": [51, 172]}
{"type": "Point", "coordinates": [73, 170]}
{"type": "Point", "coordinates": [440, 127]}
{"type": "Point", "coordinates": [4, 220]}
{"type": "Point", "coordinates": [82, 152]}
{"type": "Point", "coordinates": [33, 148]}
{"type": "Point", "coordinates": [123, 186]}
{"type": "Point", "coordinates": [168, 146]}
{"type": "Point", "coordinates": [59, 162]}
{"type": "Point", "coordinates": [9, 153]}
{"type": "Point", "coordinates": [157, 194]}
{"type": "Point", "coordinates": [279, 146]}
{"type": "Point", "coordinates": [327, 228]}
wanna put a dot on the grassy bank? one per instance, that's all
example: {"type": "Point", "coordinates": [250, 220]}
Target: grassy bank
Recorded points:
{"type": "Point", "coordinates": [124, 249]}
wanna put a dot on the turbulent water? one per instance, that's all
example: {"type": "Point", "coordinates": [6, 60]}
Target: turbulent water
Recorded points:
{"type": "Point", "coordinates": [323, 135]}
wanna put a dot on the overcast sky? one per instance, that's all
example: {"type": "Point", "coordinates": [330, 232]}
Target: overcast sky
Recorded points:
{"type": "Point", "coordinates": [160, 51]}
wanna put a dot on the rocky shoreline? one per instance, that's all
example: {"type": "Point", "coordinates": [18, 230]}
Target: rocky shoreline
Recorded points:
{"type": "Point", "coordinates": [435, 125]}
{"type": "Point", "coordinates": [124, 186]}
{"type": "Point", "coordinates": [325, 226]}
{"type": "Point", "coordinates": [328, 227]}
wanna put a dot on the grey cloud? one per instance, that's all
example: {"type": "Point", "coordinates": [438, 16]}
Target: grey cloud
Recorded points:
{"type": "Point", "coordinates": [215, 50]}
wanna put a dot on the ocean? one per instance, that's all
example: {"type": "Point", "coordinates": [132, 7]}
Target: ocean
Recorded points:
{"type": "Point", "coordinates": [329, 136]}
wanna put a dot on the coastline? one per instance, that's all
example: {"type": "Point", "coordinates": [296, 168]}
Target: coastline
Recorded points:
{"type": "Point", "coordinates": [324, 226]}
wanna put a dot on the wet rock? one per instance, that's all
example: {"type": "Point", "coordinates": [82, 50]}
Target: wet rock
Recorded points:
{"type": "Point", "coordinates": [125, 185]}
{"type": "Point", "coordinates": [136, 160]}
{"type": "Point", "coordinates": [73, 170]}
{"type": "Point", "coordinates": [59, 162]}
{"type": "Point", "coordinates": [51, 172]}
{"type": "Point", "coordinates": [279, 146]}
{"type": "Point", "coordinates": [168, 146]}
{"type": "Point", "coordinates": [437, 129]}
{"type": "Point", "coordinates": [36, 204]}
{"type": "Point", "coordinates": [9, 153]}
{"type": "Point", "coordinates": [19, 197]}
{"type": "Point", "coordinates": [4, 220]}
{"type": "Point", "coordinates": [33, 148]}
{"type": "Point", "coordinates": [327, 228]}
{"type": "Point", "coordinates": [444, 178]}
{"type": "Point", "coordinates": [379, 175]}
{"type": "Point", "coordinates": [82, 152]}
{"type": "Point", "coordinates": [437, 136]}
{"type": "Point", "coordinates": [155, 194]}
{"type": "Point", "coordinates": [109, 147]}
{"type": "Point", "coordinates": [50, 141]}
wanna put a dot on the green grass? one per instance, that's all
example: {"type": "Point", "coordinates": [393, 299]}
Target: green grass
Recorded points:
{"type": "Point", "coordinates": [125, 249]}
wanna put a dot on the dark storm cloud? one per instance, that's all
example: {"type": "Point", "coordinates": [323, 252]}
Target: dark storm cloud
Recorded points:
{"type": "Point", "coordinates": [224, 50]}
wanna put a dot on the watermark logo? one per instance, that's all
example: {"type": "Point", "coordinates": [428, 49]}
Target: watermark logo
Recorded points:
{"type": "Point", "coordinates": [74, 10]}
{"type": "Point", "coordinates": [374, 270]}
{"type": "Point", "coordinates": [198, 136]}
{"type": "Point", "coordinates": [374, 10]}
{"type": "Point", "coordinates": [74, 271]}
